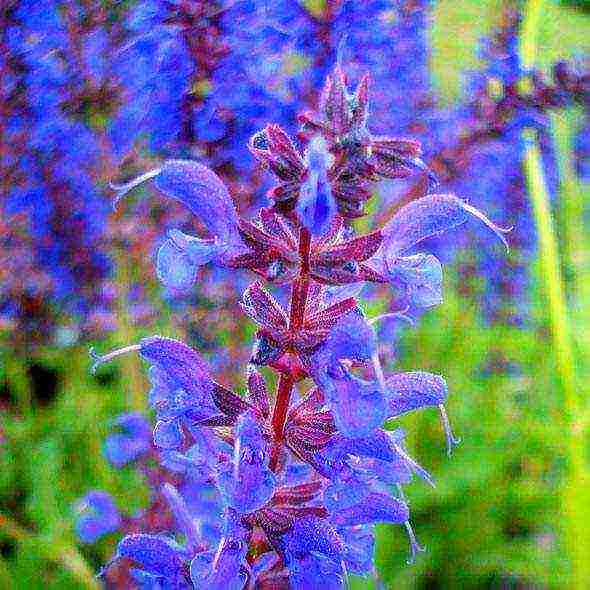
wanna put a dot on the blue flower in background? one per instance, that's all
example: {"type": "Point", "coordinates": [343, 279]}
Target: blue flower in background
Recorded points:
{"type": "Point", "coordinates": [133, 439]}
{"type": "Point", "coordinates": [97, 516]}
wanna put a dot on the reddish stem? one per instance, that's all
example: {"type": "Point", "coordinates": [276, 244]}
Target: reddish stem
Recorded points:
{"type": "Point", "coordinates": [299, 293]}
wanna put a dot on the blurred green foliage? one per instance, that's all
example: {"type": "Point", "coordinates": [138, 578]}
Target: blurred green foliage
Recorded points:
{"type": "Point", "coordinates": [494, 519]}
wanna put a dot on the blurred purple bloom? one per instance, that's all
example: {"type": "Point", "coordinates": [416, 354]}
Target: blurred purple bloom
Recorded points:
{"type": "Point", "coordinates": [133, 440]}
{"type": "Point", "coordinates": [97, 516]}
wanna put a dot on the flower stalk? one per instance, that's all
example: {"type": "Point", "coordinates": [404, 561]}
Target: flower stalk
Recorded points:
{"type": "Point", "coordinates": [296, 315]}
{"type": "Point", "coordinates": [574, 493]}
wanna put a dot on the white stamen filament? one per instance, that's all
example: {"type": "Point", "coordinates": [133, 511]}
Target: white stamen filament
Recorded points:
{"type": "Point", "coordinates": [105, 358]}
{"type": "Point", "coordinates": [452, 440]}
{"type": "Point", "coordinates": [346, 578]}
{"type": "Point", "coordinates": [123, 189]}
{"type": "Point", "coordinates": [237, 451]}
{"type": "Point", "coordinates": [402, 496]}
{"type": "Point", "coordinates": [397, 315]}
{"type": "Point", "coordinates": [495, 228]}
{"type": "Point", "coordinates": [181, 514]}
{"type": "Point", "coordinates": [415, 467]}
{"type": "Point", "coordinates": [379, 372]}
{"type": "Point", "coordinates": [415, 547]}
{"type": "Point", "coordinates": [218, 554]}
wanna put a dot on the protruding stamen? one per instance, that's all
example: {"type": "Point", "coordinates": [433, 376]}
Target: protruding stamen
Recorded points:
{"type": "Point", "coordinates": [105, 358]}
{"type": "Point", "coordinates": [420, 471]}
{"type": "Point", "coordinates": [452, 440]}
{"type": "Point", "coordinates": [345, 574]}
{"type": "Point", "coordinates": [123, 189]}
{"type": "Point", "coordinates": [379, 372]}
{"type": "Point", "coordinates": [415, 547]}
{"type": "Point", "coordinates": [499, 231]}
{"type": "Point", "coordinates": [218, 554]}
{"type": "Point", "coordinates": [402, 496]}
{"type": "Point", "coordinates": [401, 315]}
{"type": "Point", "coordinates": [419, 163]}
{"type": "Point", "coordinates": [237, 451]}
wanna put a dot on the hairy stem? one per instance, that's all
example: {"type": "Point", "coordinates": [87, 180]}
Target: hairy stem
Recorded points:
{"type": "Point", "coordinates": [298, 302]}
{"type": "Point", "coordinates": [284, 388]}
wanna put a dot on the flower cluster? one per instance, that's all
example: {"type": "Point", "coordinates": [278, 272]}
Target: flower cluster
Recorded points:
{"type": "Point", "coordinates": [284, 492]}
{"type": "Point", "coordinates": [89, 87]}
{"type": "Point", "coordinates": [57, 73]}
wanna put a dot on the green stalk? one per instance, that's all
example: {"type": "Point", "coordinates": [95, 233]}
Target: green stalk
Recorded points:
{"type": "Point", "coordinates": [56, 550]}
{"type": "Point", "coordinates": [575, 240]}
{"type": "Point", "coordinates": [575, 492]}
{"type": "Point", "coordinates": [6, 580]}
{"type": "Point", "coordinates": [15, 368]}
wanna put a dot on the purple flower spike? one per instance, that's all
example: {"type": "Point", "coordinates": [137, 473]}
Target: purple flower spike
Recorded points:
{"type": "Point", "coordinates": [134, 440]}
{"type": "Point", "coordinates": [287, 494]}
{"type": "Point", "coordinates": [316, 205]}
{"type": "Point", "coordinates": [430, 216]}
{"type": "Point", "coordinates": [247, 483]}
{"type": "Point", "coordinates": [98, 516]}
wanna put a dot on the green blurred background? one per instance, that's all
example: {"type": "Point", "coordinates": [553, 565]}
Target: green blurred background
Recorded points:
{"type": "Point", "coordinates": [511, 505]}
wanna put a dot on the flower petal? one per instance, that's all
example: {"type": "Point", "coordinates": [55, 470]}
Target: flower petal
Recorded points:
{"type": "Point", "coordinates": [359, 407]}
{"type": "Point", "coordinates": [316, 205]}
{"type": "Point", "coordinates": [413, 390]}
{"type": "Point", "coordinates": [203, 192]}
{"type": "Point", "coordinates": [421, 278]}
{"type": "Point", "coordinates": [374, 507]}
{"type": "Point", "coordinates": [174, 267]}
{"type": "Point", "coordinates": [98, 516]}
{"type": "Point", "coordinates": [156, 554]}
{"type": "Point", "coordinates": [429, 216]}
{"type": "Point", "coordinates": [167, 434]}
{"type": "Point", "coordinates": [247, 483]}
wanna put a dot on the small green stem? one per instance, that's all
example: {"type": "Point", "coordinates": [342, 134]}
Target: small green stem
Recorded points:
{"type": "Point", "coordinates": [575, 492]}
